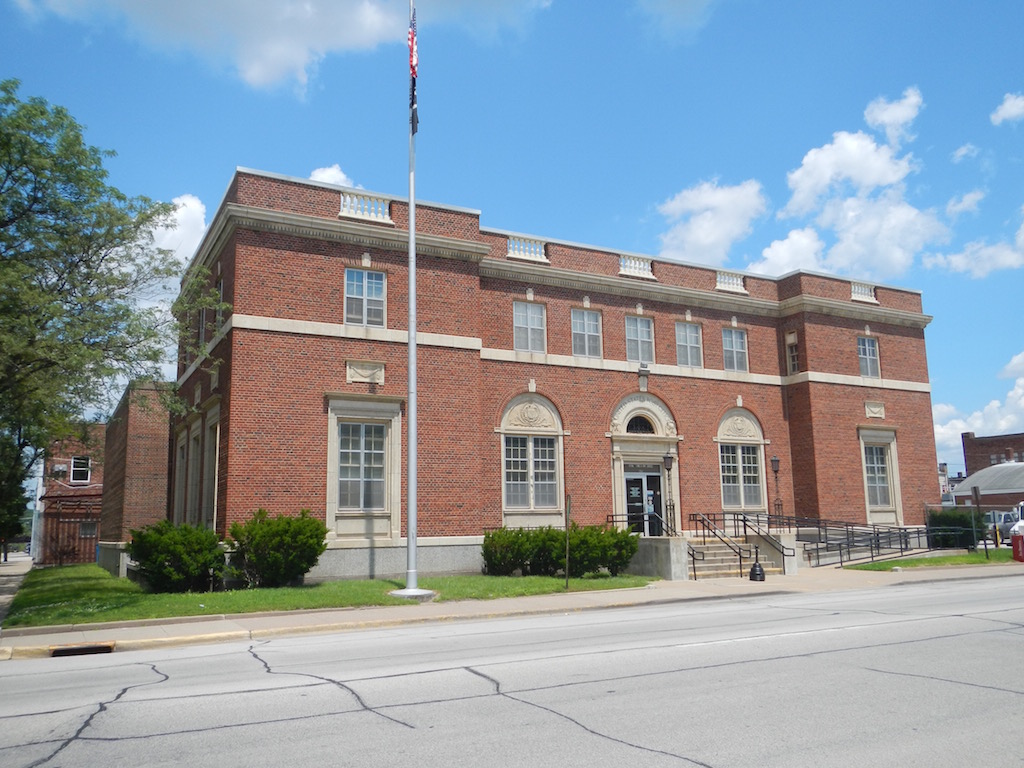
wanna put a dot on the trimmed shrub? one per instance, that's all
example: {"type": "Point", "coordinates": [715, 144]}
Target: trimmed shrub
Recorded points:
{"type": "Point", "coordinates": [960, 528]}
{"type": "Point", "coordinates": [177, 558]}
{"type": "Point", "coordinates": [620, 546]}
{"type": "Point", "coordinates": [541, 551]}
{"type": "Point", "coordinates": [276, 551]}
{"type": "Point", "coordinates": [505, 551]}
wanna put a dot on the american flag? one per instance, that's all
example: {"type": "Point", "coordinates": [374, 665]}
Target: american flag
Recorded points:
{"type": "Point", "coordinates": [414, 58]}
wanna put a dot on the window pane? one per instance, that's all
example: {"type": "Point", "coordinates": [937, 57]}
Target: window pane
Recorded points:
{"type": "Point", "coordinates": [364, 297]}
{"type": "Point", "coordinates": [751, 476]}
{"type": "Point", "coordinates": [867, 352]}
{"type": "Point", "coordinates": [517, 477]}
{"type": "Point", "coordinates": [361, 466]}
{"type": "Point", "coordinates": [877, 475]}
{"type": "Point", "coordinates": [688, 344]}
{"type": "Point", "coordinates": [639, 339]}
{"type": "Point", "coordinates": [528, 326]}
{"type": "Point", "coordinates": [730, 476]}
{"type": "Point", "coordinates": [545, 486]}
{"type": "Point", "coordinates": [586, 333]}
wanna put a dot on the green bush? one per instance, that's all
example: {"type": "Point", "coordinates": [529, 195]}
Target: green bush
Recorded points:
{"type": "Point", "coordinates": [177, 558]}
{"type": "Point", "coordinates": [505, 551]}
{"type": "Point", "coordinates": [276, 551]}
{"type": "Point", "coordinates": [620, 546]}
{"type": "Point", "coordinates": [541, 551]}
{"type": "Point", "coordinates": [955, 527]}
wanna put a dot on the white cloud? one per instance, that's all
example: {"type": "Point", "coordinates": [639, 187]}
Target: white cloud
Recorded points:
{"type": "Point", "coordinates": [332, 174]}
{"type": "Point", "coordinates": [677, 15]}
{"type": "Point", "coordinates": [968, 150]}
{"type": "Point", "coordinates": [852, 158]}
{"type": "Point", "coordinates": [1013, 369]}
{"type": "Point", "coordinates": [978, 258]}
{"type": "Point", "coordinates": [802, 249]}
{"type": "Point", "coordinates": [1012, 108]}
{"type": "Point", "coordinates": [967, 203]}
{"type": "Point", "coordinates": [895, 117]}
{"type": "Point", "coordinates": [189, 225]}
{"type": "Point", "coordinates": [706, 220]}
{"type": "Point", "coordinates": [878, 237]}
{"type": "Point", "coordinates": [273, 41]}
{"type": "Point", "coordinates": [996, 418]}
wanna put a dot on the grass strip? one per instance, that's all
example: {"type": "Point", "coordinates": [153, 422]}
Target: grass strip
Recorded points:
{"type": "Point", "coordinates": [994, 557]}
{"type": "Point", "coordinates": [82, 594]}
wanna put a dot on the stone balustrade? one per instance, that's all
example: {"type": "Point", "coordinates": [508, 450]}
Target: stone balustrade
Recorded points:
{"type": "Point", "coordinates": [730, 281]}
{"type": "Point", "coordinates": [359, 205]}
{"type": "Point", "coordinates": [863, 292]}
{"type": "Point", "coordinates": [636, 266]}
{"type": "Point", "coordinates": [526, 248]}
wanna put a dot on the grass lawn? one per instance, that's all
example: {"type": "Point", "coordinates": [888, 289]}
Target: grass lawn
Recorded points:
{"type": "Point", "coordinates": [995, 557]}
{"type": "Point", "coordinates": [80, 594]}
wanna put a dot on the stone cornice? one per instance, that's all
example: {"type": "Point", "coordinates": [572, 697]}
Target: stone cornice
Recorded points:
{"type": "Point", "coordinates": [232, 216]}
{"type": "Point", "coordinates": [540, 274]}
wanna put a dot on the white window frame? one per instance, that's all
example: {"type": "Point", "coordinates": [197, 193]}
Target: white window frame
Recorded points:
{"type": "Point", "coordinates": [532, 422]}
{"type": "Point", "coordinates": [360, 306]}
{"type": "Point", "coordinates": [529, 327]}
{"type": "Point", "coordinates": [882, 443]}
{"type": "Point", "coordinates": [689, 351]}
{"type": "Point", "coordinates": [586, 333]}
{"type": "Point", "coordinates": [180, 464]}
{"type": "Point", "coordinates": [639, 339]}
{"type": "Point", "coordinates": [76, 475]}
{"type": "Point", "coordinates": [734, 350]}
{"type": "Point", "coordinates": [211, 468]}
{"type": "Point", "coordinates": [741, 438]}
{"type": "Point", "coordinates": [867, 357]}
{"type": "Point", "coordinates": [793, 358]}
{"type": "Point", "coordinates": [349, 523]}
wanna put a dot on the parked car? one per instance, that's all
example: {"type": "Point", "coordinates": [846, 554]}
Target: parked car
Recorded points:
{"type": "Point", "coordinates": [1002, 521]}
{"type": "Point", "coordinates": [1017, 529]}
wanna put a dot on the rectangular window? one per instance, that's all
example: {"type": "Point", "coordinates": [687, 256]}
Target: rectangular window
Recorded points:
{"type": "Point", "coordinates": [179, 481]}
{"type": "Point", "coordinates": [793, 358]}
{"type": "Point", "coordinates": [528, 327]}
{"type": "Point", "coordinates": [688, 345]}
{"type": "Point", "coordinates": [364, 298]}
{"type": "Point", "coordinates": [876, 468]}
{"type": "Point", "coordinates": [734, 349]}
{"type": "Point", "coordinates": [87, 529]}
{"type": "Point", "coordinates": [360, 466]}
{"type": "Point", "coordinates": [192, 491]}
{"type": "Point", "coordinates": [211, 446]}
{"type": "Point", "coordinates": [81, 467]}
{"type": "Point", "coordinates": [741, 476]}
{"type": "Point", "coordinates": [640, 339]}
{"type": "Point", "coordinates": [531, 472]}
{"type": "Point", "coordinates": [586, 333]}
{"type": "Point", "coordinates": [867, 352]}
{"type": "Point", "coordinates": [220, 302]}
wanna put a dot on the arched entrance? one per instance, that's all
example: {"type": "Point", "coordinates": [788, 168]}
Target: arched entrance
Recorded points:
{"type": "Point", "coordinates": [644, 454]}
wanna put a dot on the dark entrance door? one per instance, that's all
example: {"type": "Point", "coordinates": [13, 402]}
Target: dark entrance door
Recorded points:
{"type": "Point", "coordinates": [643, 504]}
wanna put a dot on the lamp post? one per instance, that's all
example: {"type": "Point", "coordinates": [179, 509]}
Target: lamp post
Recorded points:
{"type": "Point", "coordinates": [670, 505]}
{"type": "Point", "coordinates": [778, 499]}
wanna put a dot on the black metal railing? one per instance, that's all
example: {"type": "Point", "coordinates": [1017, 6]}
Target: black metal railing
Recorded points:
{"type": "Point", "coordinates": [706, 525]}
{"type": "Point", "coordinates": [751, 523]}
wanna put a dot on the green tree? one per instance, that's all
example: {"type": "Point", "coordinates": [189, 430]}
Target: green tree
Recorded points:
{"type": "Point", "coordinates": [79, 280]}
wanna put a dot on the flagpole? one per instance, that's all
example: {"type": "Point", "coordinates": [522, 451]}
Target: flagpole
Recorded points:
{"type": "Point", "coordinates": [412, 589]}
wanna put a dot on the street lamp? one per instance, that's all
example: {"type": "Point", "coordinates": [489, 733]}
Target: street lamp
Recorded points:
{"type": "Point", "coordinates": [670, 505]}
{"type": "Point", "coordinates": [778, 499]}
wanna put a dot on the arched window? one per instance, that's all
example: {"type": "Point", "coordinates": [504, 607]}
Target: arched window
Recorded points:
{"type": "Point", "coordinates": [640, 425]}
{"type": "Point", "coordinates": [741, 461]}
{"type": "Point", "coordinates": [531, 459]}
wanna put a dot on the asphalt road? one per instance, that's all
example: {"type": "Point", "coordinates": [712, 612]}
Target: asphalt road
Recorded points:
{"type": "Point", "coordinates": [918, 674]}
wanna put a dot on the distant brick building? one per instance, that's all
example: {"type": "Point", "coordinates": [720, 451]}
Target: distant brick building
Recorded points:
{"type": "Point", "coordinates": [546, 369]}
{"type": "Point", "coordinates": [71, 500]}
{"type": "Point", "coordinates": [135, 463]}
{"type": "Point", "coordinates": [981, 452]}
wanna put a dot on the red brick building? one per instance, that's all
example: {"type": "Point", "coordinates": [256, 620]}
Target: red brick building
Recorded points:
{"type": "Point", "coordinates": [546, 369]}
{"type": "Point", "coordinates": [981, 452]}
{"type": "Point", "coordinates": [136, 468]}
{"type": "Point", "coordinates": [71, 500]}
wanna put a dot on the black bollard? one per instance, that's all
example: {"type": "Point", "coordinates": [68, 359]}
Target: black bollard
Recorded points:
{"type": "Point", "coordinates": [756, 571]}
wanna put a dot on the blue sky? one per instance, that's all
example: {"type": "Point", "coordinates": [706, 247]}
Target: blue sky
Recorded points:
{"type": "Point", "coordinates": [877, 140]}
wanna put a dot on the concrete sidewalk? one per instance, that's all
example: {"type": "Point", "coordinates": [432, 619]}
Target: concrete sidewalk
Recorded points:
{"type": "Point", "coordinates": [38, 642]}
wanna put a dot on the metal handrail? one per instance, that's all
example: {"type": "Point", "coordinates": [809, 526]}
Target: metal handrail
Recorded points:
{"type": "Point", "coordinates": [750, 522]}
{"type": "Point", "coordinates": [695, 555]}
{"type": "Point", "coordinates": [706, 525]}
